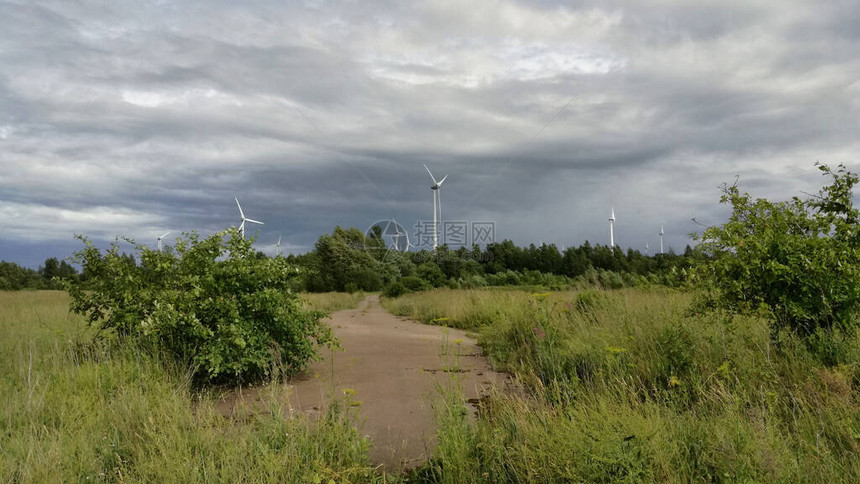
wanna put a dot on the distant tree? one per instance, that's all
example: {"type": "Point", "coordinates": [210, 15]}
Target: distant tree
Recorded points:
{"type": "Point", "coordinates": [575, 262]}
{"type": "Point", "coordinates": [347, 257]}
{"type": "Point", "coordinates": [14, 277]}
{"type": "Point", "coordinates": [55, 271]}
{"type": "Point", "coordinates": [430, 272]}
{"type": "Point", "coordinates": [51, 268]}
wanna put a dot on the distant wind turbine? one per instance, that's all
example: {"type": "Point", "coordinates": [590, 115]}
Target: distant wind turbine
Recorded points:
{"type": "Point", "coordinates": [437, 202]}
{"type": "Point", "coordinates": [278, 245]}
{"type": "Point", "coordinates": [159, 240]}
{"type": "Point", "coordinates": [612, 229]}
{"type": "Point", "coordinates": [397, 235]}
{"type": "Point", "coordinates": [661, 239]}
{"type": "Point", "coordinates": [242, 214]}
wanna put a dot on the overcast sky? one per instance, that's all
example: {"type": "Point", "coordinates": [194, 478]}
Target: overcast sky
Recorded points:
{"type": "Point", "coordinates": [138, 117]}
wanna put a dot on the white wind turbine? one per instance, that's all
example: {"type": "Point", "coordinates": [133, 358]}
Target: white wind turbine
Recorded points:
{"type": "Point", "coordinates": [242, 214]}
{"type": "Point", "coordinates": [661, 239]}
{"type": "Point", "coordinates": [159, 240]}
{"type": "Point", "coordinates": [612, 229]}
{"type": "Point", "coordinates": [437, 202]}
{"type": "Point", "coordinates": [278, 245]}
{"type": "Point", "coordinates": [397, 235]}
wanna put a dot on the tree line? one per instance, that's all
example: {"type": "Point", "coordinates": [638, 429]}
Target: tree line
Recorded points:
{"type": "Point", "coordinates": [350, 260]}
{"type": "Point", "coordinates": [49, 276]}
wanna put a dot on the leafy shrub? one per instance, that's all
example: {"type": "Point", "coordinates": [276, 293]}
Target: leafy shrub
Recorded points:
{"type": "Point", "coordinates": [351, 287]}
{"type": "Point", "coordinates": [395, 289]}
{"type": "Point", "coordinates": [414, 283]}
{"type": "Point", "coordinates": [471, 281]}
{"type": "Point", "coordinates": [797, 260]}
{"type": "Point", "coordinates": [345, 260]}
{"type": "Point", "coordinates": [431, 273]}
{"type": "Point", "coordinates": [506, 278]}
{"type": "Point", "coordinates": [610, 280]}
{"type": "Point", "coordinates": [210, 303]}
{"type": "Point", "coordinates": [833, 346]}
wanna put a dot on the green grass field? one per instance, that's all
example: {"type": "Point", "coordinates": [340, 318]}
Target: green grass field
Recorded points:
{"type": "Point", "coordinates": [71, 412]}
{"type": "Point", "coordinates": [628, 386]}
{"type": "Point", "coordinates": [619, 386]}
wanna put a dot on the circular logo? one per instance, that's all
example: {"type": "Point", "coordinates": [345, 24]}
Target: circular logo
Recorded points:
{"type": "Point", "coordinates": [384, 236]}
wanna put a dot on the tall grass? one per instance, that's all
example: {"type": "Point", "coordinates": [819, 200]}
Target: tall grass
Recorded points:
{"type": "Point", "coordinates": [333, 301]}
{"type": "Point", "coordinates": [458, 308]}
{"type": "Point", "coordinates": [630, 386]}
{"type": "Point", "coordinates": [71, 411]}
{"type": "Point", "coordinates": [621, 386]}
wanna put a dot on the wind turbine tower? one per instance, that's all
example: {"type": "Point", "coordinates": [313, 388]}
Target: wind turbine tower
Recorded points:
{"type": "Point", "coordinates": [437, 204]}
{"type": "Point", "coordinates": [661, 239]}
{"type": "Point", "coordinates": [242, 225]}
{"type": "Point", "coordinates": [160, 248]}
{"type": "Point", "coordinates": [612, 229]}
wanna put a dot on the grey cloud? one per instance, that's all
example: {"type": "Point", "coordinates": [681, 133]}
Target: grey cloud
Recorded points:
{"type": "Point", "coordinates": [322, 114]}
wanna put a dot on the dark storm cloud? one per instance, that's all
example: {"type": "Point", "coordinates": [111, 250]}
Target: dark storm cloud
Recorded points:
{"type": "Point", "coordinates": [132, 118]}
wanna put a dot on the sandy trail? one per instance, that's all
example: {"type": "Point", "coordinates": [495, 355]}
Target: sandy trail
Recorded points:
{"type": "Point", "coordinates": [394, 366]}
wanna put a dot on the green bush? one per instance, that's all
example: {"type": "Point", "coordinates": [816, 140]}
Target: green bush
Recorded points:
{"type": "Point", "coordinates": [414, 283]}
{"type": "Point", "coordinates": [351, 287]}
{"type": "Point", "coordinates": [210, 303]}
{"type": "Point", "coordinates": [796, 260]}
{"type": "Point", "coordinates": [431, 273]}
{"type": "Point", "coordinates": [395, 289]}
{"type": "Point", "coordinates": [610, 280]}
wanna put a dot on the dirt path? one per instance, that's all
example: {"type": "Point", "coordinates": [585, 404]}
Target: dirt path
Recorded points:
{"type": "Point", "coordinates": [394, 366]}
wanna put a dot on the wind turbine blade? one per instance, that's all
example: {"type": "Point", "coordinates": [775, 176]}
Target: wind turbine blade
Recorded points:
{"type": "Point", "coordinates": [254, 221]}
{"type": "Point", "coordinates": [431, 174]}
{"type": "Point", "coordinates": [242, 226]}
{"type": "Point", "coordinates": [442, 180]}
{"type": "Point", "coordinates": [279, 241]}
{"type": "Point", "coordinates": [163, 236]}
{"type": "Point", "coordinates": [241, 213]}
{"type": "Point", "coordinates": [408, 243]}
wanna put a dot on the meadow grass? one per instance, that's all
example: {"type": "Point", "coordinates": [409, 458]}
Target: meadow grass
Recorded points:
{"type": "Point", "coordinates": [621, 386]}
{"type": "Point", "coordinates": [457, 308]}
{"type": "Point", "coordinates": [333, 301]}
{"type": "Point", "coordinates": [632, 386]}
{"type": "Point", "coordinates": [72, 411]}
